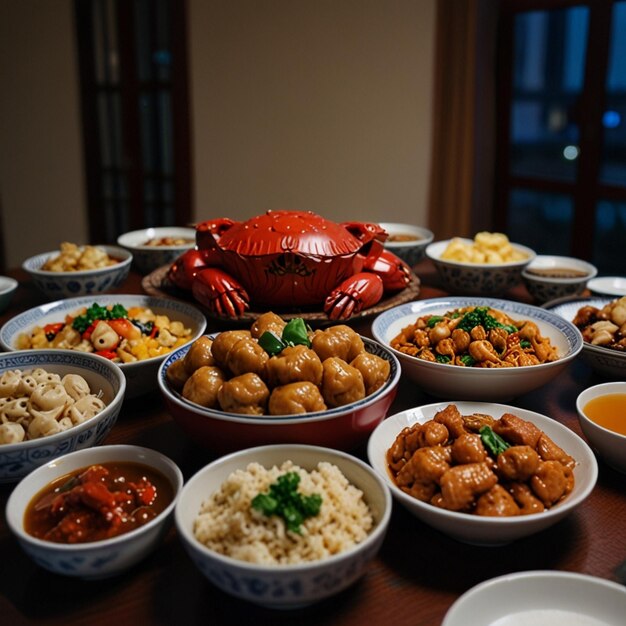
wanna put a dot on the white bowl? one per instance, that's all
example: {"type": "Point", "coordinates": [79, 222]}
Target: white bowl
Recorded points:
{"type": "Point", "coordinates": [18, 459]}
{"type": "Point", "coordinates": [56, 285]}
{"type": "Point", "coordinates": [475, 529]}
{"type": "Point", "coordinates": [148, 258]}
{"type": "Point", "coordinates": [540, 598]}
{"type": "Point", "coordinates": [141, 376]}
{"type": "Point", "coordinates": [608, 286]}
{"type": "Point", "coordinates": [604, 361]}
{"type": "Point", "coordinates": [8, 287]}
{"type": "Point", "coordinates": [412, 251]}
{"type": "Point", "coordinates": [545, 288]}
{"type": "Point", "coordinates": [286, 586]}
{"type": "Point", "coordinates": [96, 559]}
{"type": "Point", "coordinates": [475, 383]}
{"type": "Point", "coordinates": [479, 279]}
{"type": "Point", "coordinates": [610, 445]}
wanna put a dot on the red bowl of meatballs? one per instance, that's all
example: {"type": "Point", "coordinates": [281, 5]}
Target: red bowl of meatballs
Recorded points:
{"type": "Point", "coordinates": [234, 389]}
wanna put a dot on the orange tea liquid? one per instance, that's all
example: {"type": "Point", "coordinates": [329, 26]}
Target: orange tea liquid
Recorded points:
{"type": "Point", "coordinates": [608, 411]}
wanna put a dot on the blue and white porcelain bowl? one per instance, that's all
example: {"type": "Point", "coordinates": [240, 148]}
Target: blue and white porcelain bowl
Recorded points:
{"type": "Point", "coordinates": [141, 376]}
{"type": "Point", "coordinates": [477, 279]}
{"type": "Point", "coordinates": [57, 285]}
{"type": "Point", "coordinates": [146, 257]}
{"type": "Point", "coordinates": [96, 559]}
{"type": "Point", "coordinates": [407, 241]}
{"type": "Point", "coordinates": [544, 283]}
{"type": "Point", "coordinates": [283, 586]}
{"type": "Point", "coordinates": [18, 459]}
{"type": "Point", "coordinates": [477, 383]}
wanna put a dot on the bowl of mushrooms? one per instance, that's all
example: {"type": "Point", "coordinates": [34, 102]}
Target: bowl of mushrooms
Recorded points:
{"type": "Point", "coordinates": [280, 382]}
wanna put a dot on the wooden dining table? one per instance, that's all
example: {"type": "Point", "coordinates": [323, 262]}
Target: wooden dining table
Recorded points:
{"type": "Point", "coordinates": [415, 578]}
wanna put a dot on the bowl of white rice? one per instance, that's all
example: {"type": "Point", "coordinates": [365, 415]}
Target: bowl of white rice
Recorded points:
{"type": "Point", "coordinates": [280, 559]}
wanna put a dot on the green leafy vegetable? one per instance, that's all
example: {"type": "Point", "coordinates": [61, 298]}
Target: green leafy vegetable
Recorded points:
{"type": "Point", "coordinates": [492, 441]}
{"type": "Point", "coordinates": [296, 333]}
{"type": "Point", "coordinates": [442, 358]}
{"type": "Point", "coordinates": [97, 312]}
{"type": "Point", "coordinates": [524, 343]}
{"type": "Point", "coordinates": [468, 360]}
{"type": "Point", "coordinates": [284, 501]}
{"type": "Point", "coordinates": [480, 317]}
{"type": "Point", "coordinates": [433, 320]}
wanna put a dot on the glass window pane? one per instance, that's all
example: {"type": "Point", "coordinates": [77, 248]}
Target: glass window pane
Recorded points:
{"type": "Point", "coordinates": [610, 237]}
{"type": "Point", "coordinates": [540, 220]}
{"type": "Point", "coordinates": [613, 170]}
{"type": "Point", "coordinates": [548, 74]}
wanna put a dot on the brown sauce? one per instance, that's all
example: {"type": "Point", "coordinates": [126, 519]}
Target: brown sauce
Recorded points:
{"type": "Point", "coordinates": [402, 237]}
{"type": "Point", "coordinates": [557, 272]}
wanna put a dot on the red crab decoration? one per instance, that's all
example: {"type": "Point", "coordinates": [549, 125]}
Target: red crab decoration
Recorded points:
{"type": "Point", "coordinates": [289, 260]}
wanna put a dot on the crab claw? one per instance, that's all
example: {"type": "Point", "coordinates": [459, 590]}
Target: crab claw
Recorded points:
{"type": "Point", "coordinates": [355, 293]}
{"type": "Point", "coordinates": [185, 267]}
{"type": "Point", "coordinates": [220, 292]}
{"type": "Point", "coordinates": [395, 273]}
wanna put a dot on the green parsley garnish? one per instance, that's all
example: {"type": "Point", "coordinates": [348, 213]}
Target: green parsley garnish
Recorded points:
{"type": "Point", "coordinates": [442, 358]}
{"type": "Point", "coordinates": [284, 501]}
{"type": "Point", "coordinates": [97, 312]}
{"type": "Point", "coordinates": [433, 320]}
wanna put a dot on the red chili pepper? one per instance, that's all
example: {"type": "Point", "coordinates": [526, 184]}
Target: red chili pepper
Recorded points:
{"type": "Point", "coordinates": [153, 332]}
{"type": "Point", "coordinates": [53, 329]}
{"type": "Point", "coordinates": [107, 354]}
{"type": "Point", "coordinates": [90, 329]}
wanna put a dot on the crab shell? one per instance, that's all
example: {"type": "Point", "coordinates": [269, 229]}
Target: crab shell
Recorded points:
{"type": "Point", "coordinates": [290, 258]}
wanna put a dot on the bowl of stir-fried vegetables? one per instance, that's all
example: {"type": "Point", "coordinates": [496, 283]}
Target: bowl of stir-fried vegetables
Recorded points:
{"type": "Point", "coordinates": [135, 332]}
{"type": "Point", "coordinates": [477, 348]}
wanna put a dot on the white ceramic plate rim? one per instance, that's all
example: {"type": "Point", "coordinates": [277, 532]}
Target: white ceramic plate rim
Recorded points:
{"type": "Point", "coordinates": [609, 285]}
{"type": "Point", "coordinates": [457, 613]}
{"type": "Point", "coordinates": [543, 261]}
{"type": "Point", "coordinates": [134, 238]}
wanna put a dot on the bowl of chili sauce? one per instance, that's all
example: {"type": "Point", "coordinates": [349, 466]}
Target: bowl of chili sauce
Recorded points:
{"type": "Point", "coordinates": [96, 512]}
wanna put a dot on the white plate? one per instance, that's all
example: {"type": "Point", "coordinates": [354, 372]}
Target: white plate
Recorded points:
{"type": "Point", "coordinates": [540, 598]}
{"type": "Point", "coordinates": [608, 285]}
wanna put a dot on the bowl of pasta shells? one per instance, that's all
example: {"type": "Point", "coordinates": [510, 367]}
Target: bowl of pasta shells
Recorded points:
{"type": "Point", "coordinates": [280, 382]}
{"type": "Point", "coordinates": [283, 526]}
{"type": "Point", "coordinates": [477, 348]}
{"type": "Point", "coordinates": [482, 473]}
{"type": "Point", "coordinates": [487, 265]}
{"type": "Point", "coordinates": [78, 270]}
{"type": "Point", "coordinates": [53, 402]}
{"type": "Point", "coordinates": [134, 332]}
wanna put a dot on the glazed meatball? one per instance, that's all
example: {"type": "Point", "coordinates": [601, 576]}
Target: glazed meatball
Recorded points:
{"type": "Point", "coordinates": [267, 322]}
{"type": "Point", "coordinates": [203, 385]}
{"type": "Point", "coordinates": [246, 355]}
{"type": "Point", "coordinates": [246, 394]}
{"type": "Point", "coordinates": [294, 364]}
{"type": "Point", "coordinates": [177, 375]}
{"type": "Point", "coordinates": [340, 341]}
{"type": "Point", "coordinates": [301, 397]}
{"type": "Point", "coordinates": [497, 502]}
{"type": "Point", "coordinates": [199, 354]}
{"type": "Point", "coordinates": [374, 369]}
{"type": "Point", "coordinates": [341, 383]}
{"type": "Point", "coordinates": [224, 342]}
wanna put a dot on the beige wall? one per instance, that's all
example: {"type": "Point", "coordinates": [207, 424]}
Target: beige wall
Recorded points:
{"type": "Point", "coordinates": [318, 104]}
{"type": "Point", "coordinates": [41, 180]}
